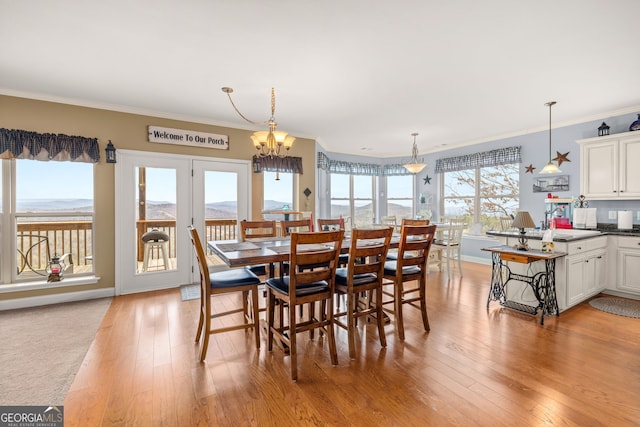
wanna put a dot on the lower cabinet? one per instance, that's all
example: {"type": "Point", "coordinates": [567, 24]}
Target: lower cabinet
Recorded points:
{"type": "Point", "coordinates": [628, 265]}
{"type": "Point", "coordinates": [586, 275]}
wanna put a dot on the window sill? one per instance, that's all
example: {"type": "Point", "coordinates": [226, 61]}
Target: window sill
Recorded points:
{"type": "Point", "coordinates": [43, 284]}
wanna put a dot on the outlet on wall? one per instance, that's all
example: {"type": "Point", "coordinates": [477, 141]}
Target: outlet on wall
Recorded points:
{"type": "Point", "coordinates": [613, 214]}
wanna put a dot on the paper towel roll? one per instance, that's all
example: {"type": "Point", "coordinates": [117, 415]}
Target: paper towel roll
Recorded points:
{"type": "Point", "coordinates": [625, 220]}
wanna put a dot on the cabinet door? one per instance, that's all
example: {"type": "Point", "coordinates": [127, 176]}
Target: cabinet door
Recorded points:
{"type": "Point", "coordinates": [575, 279]}
{"type": "Point", "coordinates": [595, 274]}
{"type": "Point", "coordinates": [599, 172]}
{"type": "Point", "coordinates": [628, 270]}
{"type": "Point", "coordinates": [629, 180]}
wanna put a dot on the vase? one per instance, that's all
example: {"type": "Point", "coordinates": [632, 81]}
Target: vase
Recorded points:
{"type": "Point", "coordinates": [635, 125]}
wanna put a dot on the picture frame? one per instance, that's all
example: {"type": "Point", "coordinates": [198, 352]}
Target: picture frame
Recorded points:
{"type": "Point", "coordinates": [551, 183]}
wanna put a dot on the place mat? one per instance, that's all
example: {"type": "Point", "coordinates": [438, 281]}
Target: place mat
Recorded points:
{"type": "Point", "coordinates": [240, 246]}
{"type": "Point", "coordinates": [285, 249]}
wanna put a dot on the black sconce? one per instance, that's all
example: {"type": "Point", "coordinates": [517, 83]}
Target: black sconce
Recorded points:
{"type": "Point", "coordinates": [110, 152]}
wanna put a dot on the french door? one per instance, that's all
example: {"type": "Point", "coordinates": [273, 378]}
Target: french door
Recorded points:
{"type": "Point", "coordinates": [157, 197]}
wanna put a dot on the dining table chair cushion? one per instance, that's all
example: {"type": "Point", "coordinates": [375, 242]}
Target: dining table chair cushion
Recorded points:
{"type": "Point", "coordinates": [342, 277]}
{"type": "Point", "coordinates": [391, 256]}
{"type": "Point", "coordinates": [233, 277]}
{"type": "Point", "coordinates": [259, 269]}
{"type": "Point", "coordinates": [282, 285]}
{"type": "Point", "coordinates": [390, 268]}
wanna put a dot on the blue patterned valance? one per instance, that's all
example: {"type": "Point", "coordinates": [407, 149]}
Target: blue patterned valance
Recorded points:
{"type": "Point", "coordinates": [352, 168]}
{"type": "Point", "coordinates": [277, 164]}
{"type": "Point", "coordinates": [22, 144]}
{"type": "Point", "coordinates": [500, 156]}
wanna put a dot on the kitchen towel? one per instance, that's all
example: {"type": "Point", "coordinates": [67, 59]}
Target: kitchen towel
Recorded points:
{"type": "Point", "coordinates": [625, 220]}
{"type": "Point", "coordinates": [584, 218]}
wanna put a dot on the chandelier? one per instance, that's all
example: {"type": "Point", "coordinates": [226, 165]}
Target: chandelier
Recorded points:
{"type": "Point", "coordinates": [274, 143]}
{"type": "Point", "coordinates": [414, 165]}
{"type": "Point", "coordinates": [550, 167]}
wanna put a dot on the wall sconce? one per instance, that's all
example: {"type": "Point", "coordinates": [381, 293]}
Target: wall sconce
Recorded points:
{"type": "Point", "coordinates": [110, 152]}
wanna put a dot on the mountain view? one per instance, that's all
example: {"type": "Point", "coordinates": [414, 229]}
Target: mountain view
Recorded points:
{"type": "Point", "coordinates": [217, 210]}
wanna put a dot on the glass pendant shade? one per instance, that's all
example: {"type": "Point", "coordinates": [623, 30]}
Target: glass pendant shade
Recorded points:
{"type": "Point", "coordinates": [414, 165]}
{"type": "Point", "coordinates": [550, 168]}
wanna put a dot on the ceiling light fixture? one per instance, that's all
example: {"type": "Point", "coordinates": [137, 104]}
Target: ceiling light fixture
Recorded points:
{"type": "Point", "coordinates": [271, 142]}
{"type": "Point", "coordinates": [550, 167]}
{"type": "Point", "coordinates": [414, 165]}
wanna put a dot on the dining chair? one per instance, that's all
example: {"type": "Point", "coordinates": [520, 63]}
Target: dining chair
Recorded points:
{"type": "Point", "coordinates": [258, 230]}
{"type": "Point", "coordinates": [223, 282]}
{"type": "Point", "coordinates": [405, 221]}
{"type": "Point", "coordinates": [330, 224]}
{"type": "Point", "coordinates": [303, 286]}
{"type": "Point", "coordinates": [417, 240]}
{"type": "Point", "coordinates": [450, 245]}
{"type": "Point", "coordinates": [506, 223]}
{"type": "Point", "coordinates": [296, 225]}
{"type": "Point", "coordinates": [363, 275]}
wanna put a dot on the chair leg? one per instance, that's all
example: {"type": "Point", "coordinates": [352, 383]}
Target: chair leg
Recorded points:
{"type": "Point", "coordinates": [333, 351]}
{"type": "Point", "coordinates": [202, 316]}
{"type": "Point", "coordinates": [423, 303]}
{"type": "Point", "coordinates": [459, 261]}
{"type": "Point", "coordinates": [380, 317]}
{"type": "Point", "coordinates": [256, 318]}
{"type": "Point", "coordinates": [293, 350]}
{"type": "Point", "coordinates": [207, 334]}
{"type": "Point", "coordinates": [398, 307]}
{"type": "Point", "coordinates": [270, 319]}
{"type": "Point", "coordinates": [351, 307]}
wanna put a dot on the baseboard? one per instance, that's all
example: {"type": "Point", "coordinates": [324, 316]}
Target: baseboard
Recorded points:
{"type": "Point", "coordinates": [477, 260]}
{"type": "Point", "coordinates": [621, 294]}
{"type": "Point", "coordinates": [56, 298]}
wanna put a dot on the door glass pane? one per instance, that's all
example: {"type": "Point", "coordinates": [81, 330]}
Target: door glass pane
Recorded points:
{"type": "Point", "coordinates": [156, 219]}
{"type": "Point", "coordinates": [221, 210]}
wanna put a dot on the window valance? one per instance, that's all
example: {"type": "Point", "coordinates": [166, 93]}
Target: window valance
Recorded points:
{"type": "Point", "coordinates": [500, 156]}
{"type": "Point", "coordinates": [352, 168]}
{"type": "Point", "coordinates": [277, 164]}
{"type": "Point", "coordinates": [22, 144]}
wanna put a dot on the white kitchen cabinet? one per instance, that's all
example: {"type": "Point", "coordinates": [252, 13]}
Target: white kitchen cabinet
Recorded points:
{"type": "Point", "coordinates": [608, 167]}
{"type": "Point", "coordinates": [628, 265]}
{"type": "Point", "coordinates": [586, 276]}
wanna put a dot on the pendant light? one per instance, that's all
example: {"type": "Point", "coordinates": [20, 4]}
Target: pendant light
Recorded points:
{"type": "Point", "coordinates": [550, 167]}
{"type": "Point", "coordinates": [414, 165]}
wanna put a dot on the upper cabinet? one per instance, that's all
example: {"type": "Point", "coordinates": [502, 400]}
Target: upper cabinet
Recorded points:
{"type": "Point", "coordinates": [609, 166]}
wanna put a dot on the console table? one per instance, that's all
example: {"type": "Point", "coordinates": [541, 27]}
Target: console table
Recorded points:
{"type": "Point", "coordinates": [542, 283]}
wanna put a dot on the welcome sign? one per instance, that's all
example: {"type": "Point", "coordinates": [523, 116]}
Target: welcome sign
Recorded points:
{"type": "Point", "coordinates": [188, 137]}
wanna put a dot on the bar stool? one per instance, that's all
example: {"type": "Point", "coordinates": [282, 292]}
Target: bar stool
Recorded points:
{"type": "Point", "coordinates": [156, 239]}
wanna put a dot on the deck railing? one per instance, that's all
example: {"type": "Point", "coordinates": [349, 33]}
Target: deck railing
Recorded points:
{"type": "Point", "coordinates": [37, 242]}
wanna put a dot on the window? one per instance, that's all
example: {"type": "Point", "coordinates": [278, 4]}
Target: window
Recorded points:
{"type": "Point", "coordinates": [481, 195]}
{"type": "Point", "coordinates": [53, 216]}
{"type": "Point", "coordinates": [278, 192]}
{"type": "Point", "coordinates": [400, 196]}
{"type": "Point", "coordinates": [352, 198]}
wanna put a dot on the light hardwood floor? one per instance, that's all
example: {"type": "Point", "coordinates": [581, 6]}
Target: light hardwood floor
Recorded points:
{"type": "Point", "coordinates": [492, 367]}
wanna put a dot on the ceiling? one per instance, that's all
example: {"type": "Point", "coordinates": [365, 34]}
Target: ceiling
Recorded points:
{"type": "Point", "coordinates": [358, 76]}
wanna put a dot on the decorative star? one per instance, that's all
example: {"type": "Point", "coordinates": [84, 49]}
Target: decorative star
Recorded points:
{"type": "Point", "coordinates": [427, 180]}
{"type": "Point", "coordinates": [530, 169]}
{"type": "Point", "coordinates": [561, 157]}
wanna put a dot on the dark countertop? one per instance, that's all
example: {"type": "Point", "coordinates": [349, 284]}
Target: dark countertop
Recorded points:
{"type": "Point", "coordinates": [565, 235]}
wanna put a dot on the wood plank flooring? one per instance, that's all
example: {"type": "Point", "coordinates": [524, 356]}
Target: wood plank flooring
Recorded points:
{"type": "Point", "coordinates": [476, 366]}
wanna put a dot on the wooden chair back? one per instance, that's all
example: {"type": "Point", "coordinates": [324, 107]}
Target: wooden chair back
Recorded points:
{"type": "Point", "coordinates": [331, 224]}
{"type": "Point", "coordinates": [295, 225]}
{"type": "Point", "coordinates": [257, 229]}
{"type": "Point", "coordinates": [406, 221]}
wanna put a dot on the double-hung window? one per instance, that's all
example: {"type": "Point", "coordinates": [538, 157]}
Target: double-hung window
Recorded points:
{"type": "Point", "coordinates": [481, 187]}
